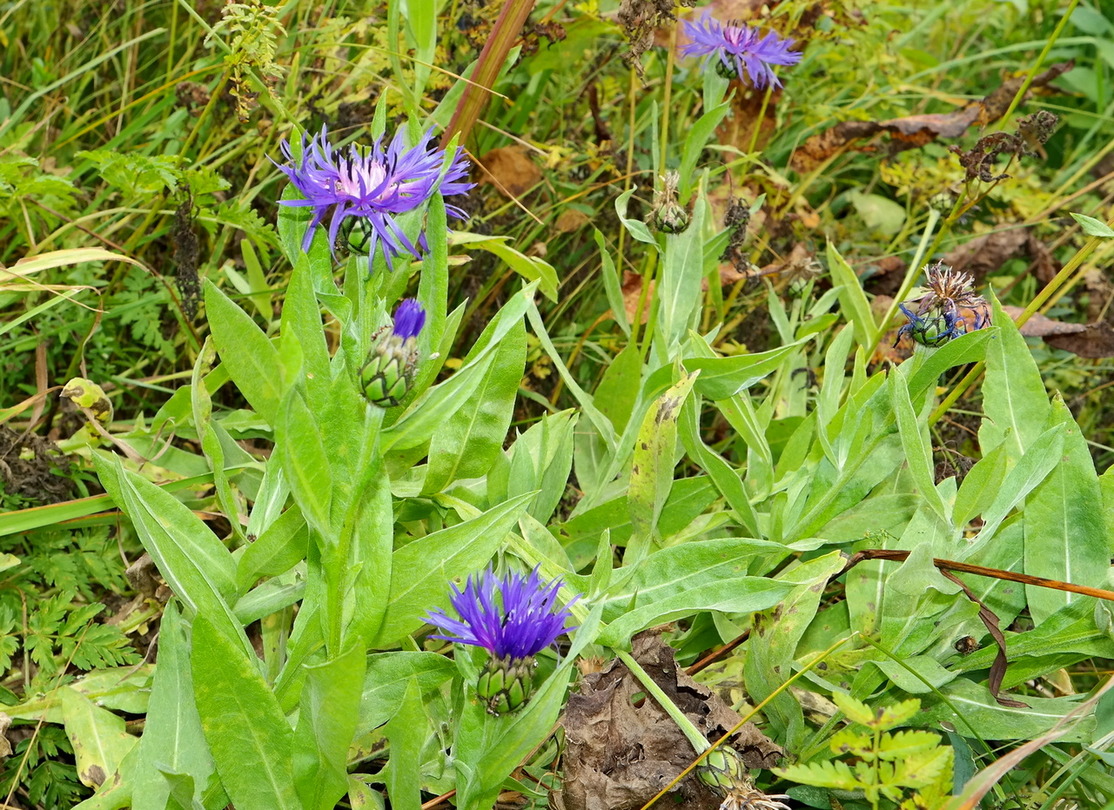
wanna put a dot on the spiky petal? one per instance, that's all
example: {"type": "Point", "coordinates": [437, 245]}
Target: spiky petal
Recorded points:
{"type": "Point", "coordinates": [949, 309]}
{"type": "Point", "coordinates": [514, 616]}
{"type": "Point", "coordinates": [371, 187]}
{"type": "Point", "coordinates": [738, 49]}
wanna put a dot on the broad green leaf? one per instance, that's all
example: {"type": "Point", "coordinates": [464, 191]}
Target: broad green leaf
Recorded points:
{"type": "Point", "coordinates": [196, 565]}
{"type": "Point", "coordinates": [407, 732]}
{"type": "Point", "coordinates": [1032, 468]}
{"type": "Point", "coordinates": [423, 568]}
{"type": "Point", "coordinates": [696, 139]}
{"type": "Point", "coordinates": [246, 730]}
{"type": "Point", "coordinates": [541, 460]}
{"type": "Point", "coordinates": [775, 633]}
{"type": "Point", "coordinates": [980, 486]}
{"type": "Point", "coordinates": [724, 377]}
{"type": "Point", "coordinates": [1092, 226]}
{"type": "Point", "coordinates": [852, 298]}
{"type": "Point", "coordinates": [617, 392]}
{"type": "Point", "coordinates": [307, 465]}
{"type": "Point", "coordinates": [99, 740]}
{"type": "Point", "coordinates": [653, 464]}
{"type": "Point", "coordinates": [301, 321]}
{"type": "Point", "coordinates": [172, 739]}
{"type": "Point", "coordinates": [278, 549]}
{"type": "Point", "coordinates": [1014, 398]}
{"type": "Point", "coordinates": [466, 443]}
{"type": "Point", "coordinates": [685, 579]}
{"type": "Point", "coordinates": [678, 295]}
{"type": "Point", "coordinates": [918, 448]}
{"type": "Point", "coordinates": [1065, 536]}
{"type": "Point", "coordinates": [387, 678]}
{"type": "Point", "coordinates": [328, 710]}
{"type": "Point", "coordinates": [252, 360]}
{"type": "Point", "coordinates": [429, 411]}
{"type": "Point", "coordinates": [974, 712]}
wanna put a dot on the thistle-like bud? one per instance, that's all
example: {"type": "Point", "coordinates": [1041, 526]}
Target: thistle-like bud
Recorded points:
{"type": "Point", "coordinates": [723, 770]}
{"type": "Point", "coordinates": [387, 375]}
{"type": "Point", "coordinates": [505, 683]}
{"type": "Point", "coordinates": [669, 216]}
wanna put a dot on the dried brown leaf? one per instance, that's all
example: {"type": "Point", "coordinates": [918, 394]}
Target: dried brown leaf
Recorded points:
{"type": "Point", "coordinates": [917, 130]}
{"type": "Point", "coordinates": [622, 751]}
{"type": "Point", "coordinates": [510, 169]}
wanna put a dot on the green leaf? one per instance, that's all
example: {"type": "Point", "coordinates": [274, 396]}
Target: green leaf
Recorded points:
{"type": "Point", "coordinates": [617, 392]}
{"type": "Point", "coordinates": [467, 442]}
{"type": "Point", "coordinates": [918, 448]}
{"type": "Point", "coordinates": [407, 732]}
{"type": "Point", "coordinates": [252, 360]}
{"type": "Point", "coordinates": [172, 739]}
{"type": "Point", "coordinates": [855, 710]}
{"type": "Point", "coordinates": [775, 634]}
{"type": "Point", "coordinates": [696, 139]}
{"type": "Point", "coordinates": [836, 775]}
{"type": "Point", "coordinates": [682, 580]}
{"type": "Point", "coordinates": [423, 568]}
{"type": "Point", "coordinates": [327, 718]}
{"type": "Point", "coordinates": [1065, 537]}
{"type": "Point", "coordinates": [974, 712]}
{"type": "Point", "coordinates": [653, 464]}
{"type": "Point", "coordinates": [530, 268]}
{"type": "Point", "coordinates": [246, 730]}
{"type": "Point", "coordinates": [1014, 398]}
{"type": "Point", "coordinates": [612, 284]}
{"type": "Point", "coordinates": [724, 377]}
{"type": "Point", "coordinates": [279, 548]}
{"type": "Point", "coordinates": [1092, 226]}
{"type": "Point", "coordinates": [900, 744]}
{"type": "Point", "coordinates": [635, 227]}
{"type": "Point", "coordinates": [196, 565]}
{"type": "Point", "coordinates": [97, 736]}
{"type": "Point", "coordinates": [678, 295]}
{"type": "Point", "coordinates": [304, 460]}
{"type": "Point", "coordinates": [387, 679]}
{"type": "Point", "coordinates": [852, 298]}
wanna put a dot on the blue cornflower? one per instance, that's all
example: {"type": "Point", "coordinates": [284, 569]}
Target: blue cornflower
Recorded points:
{"type": "Point", "coordinates": [513, 618]}
{"type": "Point", "coordinates": [739, 49]}
{"type": "Point", "coordinates": [389, 371]}
{"type": "Point", "coordinates": [368, 188]}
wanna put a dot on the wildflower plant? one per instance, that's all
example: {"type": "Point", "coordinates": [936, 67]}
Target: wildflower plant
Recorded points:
{"type": "Point", "coordinates": [513, 618]}
{"type": "Point", "coordinates": [737, 50]}
{"type": "Point", "coordinates": [362, 192]}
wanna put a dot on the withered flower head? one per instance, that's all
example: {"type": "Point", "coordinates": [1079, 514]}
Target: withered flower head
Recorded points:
{"type": "Point", "coordinates": [949, 309]}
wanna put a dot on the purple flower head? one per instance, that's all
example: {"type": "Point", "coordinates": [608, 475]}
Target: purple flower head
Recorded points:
{"type": "Point", "coordinates": [409, 319]}
{"type": "Point", "coordinates": [372, 187]}
{"type": "Point", "coordinates": [739, 49]}
{"type": "Point", "coordinates": [520, 623]}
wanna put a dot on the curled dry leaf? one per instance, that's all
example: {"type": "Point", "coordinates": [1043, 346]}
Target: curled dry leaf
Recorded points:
{"type": "Point", "coordinates": [1090, 340]}
{"type": "Point", "coordinates": [986, 254]}
{"type": "Point", "coordinates": [621, 751]}
{"type": "Point", "coordinates": [917, 130]}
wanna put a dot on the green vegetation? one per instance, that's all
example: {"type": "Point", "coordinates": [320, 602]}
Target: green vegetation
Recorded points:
{"type": "Point", "coordinates": [678, 358]}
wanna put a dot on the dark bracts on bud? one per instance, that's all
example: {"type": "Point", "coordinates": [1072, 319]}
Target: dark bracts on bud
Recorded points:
{"type": "Point", "coordinates": [505, 683]}
{"type": "Point", "coordinates": [949, 309]}
{"type": "Point", "coordinates": [386, 377]}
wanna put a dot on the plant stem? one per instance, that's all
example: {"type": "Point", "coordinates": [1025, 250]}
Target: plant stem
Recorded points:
{"type": "Point", "coordinates": [494, 55]}
{"type": "Point", "coordinates": [698, 741]}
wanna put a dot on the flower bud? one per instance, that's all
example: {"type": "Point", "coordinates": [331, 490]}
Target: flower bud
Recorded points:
{"type": "Point", "coordinates": [668, 215]}
{"type": "Point", "coordinates": [387, 375]}
{"type": "Point", "coordinates": [723, 770]}
{"type": "Point", "coordinates": [506, 683]}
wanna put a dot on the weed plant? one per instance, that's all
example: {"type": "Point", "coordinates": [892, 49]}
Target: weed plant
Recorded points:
{"type": "Point", "coordinates": [579, 405]}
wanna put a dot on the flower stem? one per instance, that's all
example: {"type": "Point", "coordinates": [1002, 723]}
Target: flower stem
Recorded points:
{"type": "Point", "coordinates": [698, 741]}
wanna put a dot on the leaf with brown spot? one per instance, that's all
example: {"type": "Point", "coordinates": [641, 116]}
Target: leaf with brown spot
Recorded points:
{"type": "Point", "coordinates": [99, 740]}
{"type": "Point", "coordinates": [917, 130]}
